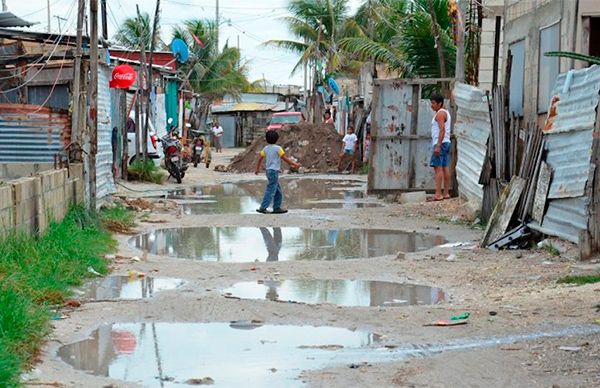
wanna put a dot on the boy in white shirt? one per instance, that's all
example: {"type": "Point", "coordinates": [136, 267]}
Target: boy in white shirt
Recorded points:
{"type": "Point", "coordinates": [349, 148]}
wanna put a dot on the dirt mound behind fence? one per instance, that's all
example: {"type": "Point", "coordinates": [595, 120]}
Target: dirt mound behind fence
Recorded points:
{"type": "Point", "coordinates": [315, 146]}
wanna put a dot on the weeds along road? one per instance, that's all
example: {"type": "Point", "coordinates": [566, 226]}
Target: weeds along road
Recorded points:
{"type": "Point", "coordinates": [524, 329]}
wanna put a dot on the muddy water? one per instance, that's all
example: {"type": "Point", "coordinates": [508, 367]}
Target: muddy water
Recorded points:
{"type": "Point", "coordinates": [245, 197]}
{"type": "Point", "coordinates": [339, 292]}
{"type": "Point", "coordinates": [169, 354]}
{"type": "Point", "coordinates": [126, 287]}
{"type": "Point", "coordinates": [248, 244]}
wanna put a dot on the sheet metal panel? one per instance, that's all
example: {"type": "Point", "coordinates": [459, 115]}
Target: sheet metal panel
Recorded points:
{"type": "Point", "coordinates": [392, 116]}
{"type": "Point", "coordinates": [31, 133]}
{"type": "Point", "coordinates": [565, 218]}
{"type": "Point", "coordinates": [472, 130]}
{"type": "Point", "coordinates": [424, 177]}
{"type": "Point", "coordinates": [105, 184]}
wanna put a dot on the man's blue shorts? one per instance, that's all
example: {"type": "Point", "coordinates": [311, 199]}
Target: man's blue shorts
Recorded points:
{"type": "Point", "coordinates": [443, 159]}
{"type": "Point", "coordinates": [348, 152]}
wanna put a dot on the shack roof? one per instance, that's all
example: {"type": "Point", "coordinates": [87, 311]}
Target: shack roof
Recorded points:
{"type": "Point", "coordinates": [9, 19]}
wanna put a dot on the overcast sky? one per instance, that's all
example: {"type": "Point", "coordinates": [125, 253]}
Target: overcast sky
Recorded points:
{"type": "Point", "coordinates": [252, 20]}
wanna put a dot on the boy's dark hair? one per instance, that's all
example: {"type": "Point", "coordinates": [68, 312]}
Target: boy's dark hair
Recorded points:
{"type": "Point", "coordinates": [437, 98]}
{"type": "Point", "coordinates": [272, 137]}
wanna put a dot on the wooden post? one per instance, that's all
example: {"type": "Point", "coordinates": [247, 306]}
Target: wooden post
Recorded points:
{"type": "Point", "coordinates": [93, 88]}
{"type": "Point", "coordinates": [75, 129]}
{"type": "Point", "coordinates": [150, 80]}
{"type": "Point", "coordinates": [144, 90]}
{"type": "Point", "coordinates": [438, 43]}
{"type": "Point", "coordinates": [497, 52]}
{"type": "Point", "coordinates": [459, 69]}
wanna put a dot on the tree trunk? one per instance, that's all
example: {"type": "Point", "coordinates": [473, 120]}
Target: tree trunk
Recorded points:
{"type": "Point", "coordinates": [435, 30]}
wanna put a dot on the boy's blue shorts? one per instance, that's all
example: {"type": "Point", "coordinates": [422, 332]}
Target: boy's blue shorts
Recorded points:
{"type": "Point", "coordinates": [348, 152]}
{"type": "Point", "coordinates": [443, 159]}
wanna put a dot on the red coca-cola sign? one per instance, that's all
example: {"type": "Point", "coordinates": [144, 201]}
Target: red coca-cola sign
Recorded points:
{"type": "Point", "coordinates": [123, 76]}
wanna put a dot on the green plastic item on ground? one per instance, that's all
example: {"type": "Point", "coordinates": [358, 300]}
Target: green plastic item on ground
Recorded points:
{"type": "Point", "coordinates": [460, 317]}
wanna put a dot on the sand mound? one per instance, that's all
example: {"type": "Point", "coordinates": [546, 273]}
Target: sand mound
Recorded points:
{"type": "Point", "coordinates": [315, 146]}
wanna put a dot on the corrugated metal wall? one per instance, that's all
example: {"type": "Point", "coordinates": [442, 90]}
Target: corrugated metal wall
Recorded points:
{"type": "Point", "coordinates": [105, 184]}
{"type": "Point", "coordinates": [31, 134]}
{"type": "Point", "coordinates": [472, 130]}
{"type": "Point", "coordinates": [568, 143]}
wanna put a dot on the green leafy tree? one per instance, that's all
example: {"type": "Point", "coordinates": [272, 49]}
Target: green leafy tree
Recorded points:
{"type": "Point", "coordinates": [134, 32]}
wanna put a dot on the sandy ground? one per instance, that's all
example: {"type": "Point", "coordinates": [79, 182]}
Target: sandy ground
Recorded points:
{"type": "Point", "coordinates": [518, 287]}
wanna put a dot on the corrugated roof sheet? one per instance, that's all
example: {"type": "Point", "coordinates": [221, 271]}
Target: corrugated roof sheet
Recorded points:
{"type": "Point", "coordinates": [9, 19]}
{"type": "Point", "coordinates": [565, 218]}
{"type": "Point", "coordinates": [31, 133]}
{"type": "Point", "coordinates": [248, 107]}
{"type": "Point", "coordinates": [472, 130]}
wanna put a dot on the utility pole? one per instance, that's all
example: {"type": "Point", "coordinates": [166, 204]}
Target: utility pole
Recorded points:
{"type": "Point", "coordinates": [438, 43]}
{"type": "Point", "coordinates": [104, 20]}
{"type": "Point", "coordinates": [58, 20]}
{"type": "Point", "coordinates": [49, 17]}
{"type": "Point", "coordinates": [150, 62]}
{"type": "Point", "coordinates": [4, 6]}
{"type": "Point", "coordinates": [459, 70]}
{"type": "Point", "coordinates": [217, 22]}
{"type": "Point", "coordinates": [144, 85]}
{"type": "Point", "coordinates": [239, 52]}
{"type": "Point", "coordinates": [93, 88]}
{"type": "Point", "coordinates": [77, 73]}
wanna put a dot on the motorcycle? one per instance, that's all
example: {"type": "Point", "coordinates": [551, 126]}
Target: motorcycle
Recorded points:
{"type": "Point", "coordinates": [199, 151]}
{"type": "Point", "coordinates": [175, 161]}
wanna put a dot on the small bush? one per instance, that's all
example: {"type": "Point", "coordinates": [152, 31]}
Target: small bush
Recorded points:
{"type": "Point", "coordinates": [117, 219]}
{"type": "Point", "coordinates": [145, 171]}
{"type": "Point", "coordinates": [580, 279]}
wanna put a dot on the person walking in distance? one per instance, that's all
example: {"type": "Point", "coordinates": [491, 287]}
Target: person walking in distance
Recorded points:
{"type": "Point", "coordinates": [349, 148]}
{"type": "Point", "coordinates": [217, 131]}
{"type": "Point", "coordinates": [440, 158]}
{"type": "Point", "coordinates": [273, 155]}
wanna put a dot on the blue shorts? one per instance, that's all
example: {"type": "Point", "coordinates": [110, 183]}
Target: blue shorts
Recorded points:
{"type": "Point", "coordinates": [348, 152]}
{"type": "Point", "coordinates": [443, 159]}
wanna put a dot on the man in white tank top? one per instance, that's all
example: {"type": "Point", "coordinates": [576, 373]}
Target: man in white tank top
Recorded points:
{"type": "Point", "coordinates": [440, 158]}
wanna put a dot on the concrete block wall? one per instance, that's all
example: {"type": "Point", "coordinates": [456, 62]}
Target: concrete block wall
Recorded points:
{"type": "Point", "coordinates": [28, 205]}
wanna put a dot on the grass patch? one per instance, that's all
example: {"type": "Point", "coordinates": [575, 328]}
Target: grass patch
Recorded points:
{"type": "Point", "coordinates": [37, 273]}
{"type": "Point", "coordinates": [551, 249]}
{"type": "Point", "coordinates": [580, 279]}
{"type": "Point", "coordinates": [118, 219]}
{"type": "Point", "coordinates": [364, 169]}
{"type": "Point", "coordinates": [145, 171]}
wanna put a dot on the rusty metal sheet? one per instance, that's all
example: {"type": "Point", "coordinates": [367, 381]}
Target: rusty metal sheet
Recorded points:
{"type": "Point", "coordinates": [472, 130]}
{"type": "Point", "coordinates": [31, 133]}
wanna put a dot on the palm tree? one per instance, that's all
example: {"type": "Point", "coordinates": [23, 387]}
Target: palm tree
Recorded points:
{"type": "Point", "coordinates": [134, 32]}
{"type": "Point", "coordinates": [403, 36]}
{"type": "Point", "coordinates": [210, 73]}
{"type": "Point", "coordinates": [318, 25]}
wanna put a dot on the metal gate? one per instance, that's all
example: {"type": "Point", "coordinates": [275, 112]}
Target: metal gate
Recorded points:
{"type": "Point", "coordinates": [401, 137]}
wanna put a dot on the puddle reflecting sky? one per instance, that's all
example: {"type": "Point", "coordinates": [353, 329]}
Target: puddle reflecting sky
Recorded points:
{"type": "Point", "coordinates": [168, 354]}
{"type": "Point", "coordinates": [125, 287]}
{"type": "Point", "coordinates": [245, 197]}
{"type": "Point", "coordinates": [339, 292]}
{"type": "Point", "coordinates": [247, 244]}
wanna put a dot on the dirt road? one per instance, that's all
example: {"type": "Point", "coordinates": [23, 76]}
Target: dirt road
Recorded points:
{"type": "Point", "coordinates": [524, 329]}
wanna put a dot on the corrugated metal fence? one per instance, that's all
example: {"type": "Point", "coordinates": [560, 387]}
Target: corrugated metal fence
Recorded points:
{"type": "Point", "coordinates": [568, 143]}
{"type": "Point", "coordinates": [472, 130]}
{"type": "Point", "coordinates": [105, 184]}
{"type": "Point", "coordinates": [31, 133]}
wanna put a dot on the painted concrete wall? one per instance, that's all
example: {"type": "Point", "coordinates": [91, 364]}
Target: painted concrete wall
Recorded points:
{"type": "Point", "coordinates": [491, 9]}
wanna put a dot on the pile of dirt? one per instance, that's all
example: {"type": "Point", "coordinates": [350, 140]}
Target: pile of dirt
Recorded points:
{"type": "Point", "coordinates": [315, 146]}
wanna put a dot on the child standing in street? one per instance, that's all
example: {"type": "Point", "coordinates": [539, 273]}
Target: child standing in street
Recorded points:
{"type": "Point", "coordinates": [349, 148]}
{"type": "Point", "coordinates": [273, 155]}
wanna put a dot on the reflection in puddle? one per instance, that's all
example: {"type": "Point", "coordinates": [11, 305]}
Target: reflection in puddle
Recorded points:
{"type": "Point", "coordinates": [248, 244]}
{"type": "Point", "coordinates": [125, 287]}
{"type": "Point", "coordinates": [339, 292]}
{"type": "Point", "coordinates": [244, 197]}
{"type": "Point", "coordinates": [168, 354]}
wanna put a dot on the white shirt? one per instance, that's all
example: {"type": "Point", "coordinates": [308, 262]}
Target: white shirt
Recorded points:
{"type": "Point", "coordinates": [350, 141]}
{"type": "Point", "coordinates": [435, 128]}
{"type": "Point", "coordinates": [218, 131]}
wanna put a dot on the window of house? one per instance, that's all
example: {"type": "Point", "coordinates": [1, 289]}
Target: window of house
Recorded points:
{"type": "Point", "coordinates": [594, 48]}
{"type": "Point", "coordinates": [517, 77]}
{"type": "Point", "coordinates": [548, 68]}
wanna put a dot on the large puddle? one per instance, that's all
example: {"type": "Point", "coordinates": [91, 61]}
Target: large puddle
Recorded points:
{"type": "Point", "coordinates": [245, 197]}
{"type": "Point", "coordinates": [339, 292]}
{"type": "Point", "coordinates": [126, 287]}
{"type": "Point", "coordinates": [171, 354]}
{"type": "Point", "coordinates": [248, 244]}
